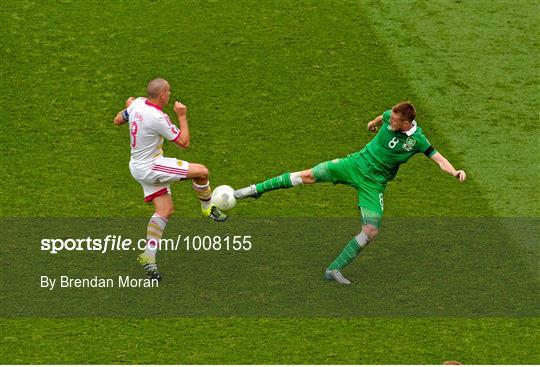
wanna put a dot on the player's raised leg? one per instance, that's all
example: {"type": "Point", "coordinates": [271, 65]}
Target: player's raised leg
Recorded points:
{"type": "Point", "coordinates": [330, 171]}
{"type": "Point", "coordinates": [154, 231]}
{"type": "Point", "coordinates": [283, 181]}
{"type": "Point", "coordinates": [201, 185]}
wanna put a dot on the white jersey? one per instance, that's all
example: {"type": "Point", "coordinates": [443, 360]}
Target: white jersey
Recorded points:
{"type": "Point", "coordinates": [148, 126]}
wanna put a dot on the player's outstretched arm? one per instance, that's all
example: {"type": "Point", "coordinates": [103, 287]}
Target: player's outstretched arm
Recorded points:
{"type": "Point", "coordinates": [120, 118]}
{"type": "Point", "coordinates": [374, 124]}
{"type": "Point", "coordinates": [181, 113]}
{"type": "Point", "coordinates": [447, 167]}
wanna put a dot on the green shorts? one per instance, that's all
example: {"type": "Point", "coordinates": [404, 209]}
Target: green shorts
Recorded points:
{"type": "Point", "coordinates": [370, 193]}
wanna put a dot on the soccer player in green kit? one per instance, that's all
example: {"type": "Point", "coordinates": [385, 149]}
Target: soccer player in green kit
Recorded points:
{"type": "Point", "coordinates": [399, 137]}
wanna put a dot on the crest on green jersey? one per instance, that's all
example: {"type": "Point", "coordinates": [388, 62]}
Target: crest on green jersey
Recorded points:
{"type": "Point", "coordinates": [409, 144]}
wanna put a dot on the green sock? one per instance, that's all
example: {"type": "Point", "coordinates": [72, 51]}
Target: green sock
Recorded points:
{"type": "Point", "coordinates": [348, 254]}
{"type": "Point", "coordinates": [280, 182]}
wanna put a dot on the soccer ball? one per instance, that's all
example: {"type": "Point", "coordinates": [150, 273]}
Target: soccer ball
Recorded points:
{"type": "Point", "coordinates": [223, 197]}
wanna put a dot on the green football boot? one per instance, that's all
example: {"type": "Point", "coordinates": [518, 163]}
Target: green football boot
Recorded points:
{"type": "Point", "coordinates": [149, 266]}
{"type": "Point", "coordinates": [215, 214]}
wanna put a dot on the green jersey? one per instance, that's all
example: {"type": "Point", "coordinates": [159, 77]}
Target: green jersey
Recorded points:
{"type": "Point", "coordinates": [381, 157]}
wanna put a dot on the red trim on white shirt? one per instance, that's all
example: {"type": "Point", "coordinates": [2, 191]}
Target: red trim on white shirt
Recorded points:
{"type": "Point", "coordinates": [147, 102]}
{"type": "Point", "coordinates": [177, 136]}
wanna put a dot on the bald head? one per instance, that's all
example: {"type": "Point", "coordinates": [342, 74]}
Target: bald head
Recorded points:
{"type": "Point", "coordinates": [155, 87]}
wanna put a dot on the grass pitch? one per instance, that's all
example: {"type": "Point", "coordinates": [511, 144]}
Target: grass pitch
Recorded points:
{"type": "Point", "coordinates": [274, 87]}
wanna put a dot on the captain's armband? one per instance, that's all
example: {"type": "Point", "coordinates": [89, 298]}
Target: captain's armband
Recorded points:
{"type": "Point", "coordinates": [430, 151]}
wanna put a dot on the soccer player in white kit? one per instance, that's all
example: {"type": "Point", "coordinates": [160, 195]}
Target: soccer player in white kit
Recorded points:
{"type": "Point", "coordinates": [149, 126]}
